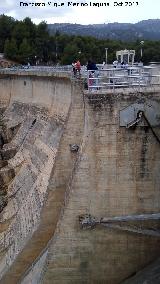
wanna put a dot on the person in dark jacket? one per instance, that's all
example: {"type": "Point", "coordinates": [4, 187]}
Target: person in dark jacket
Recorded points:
{"type": "Point", "coordinates": [91, 66]}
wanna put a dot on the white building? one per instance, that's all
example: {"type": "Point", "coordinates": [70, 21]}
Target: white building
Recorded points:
{"type": "Point", "coordinates": [126, 56]}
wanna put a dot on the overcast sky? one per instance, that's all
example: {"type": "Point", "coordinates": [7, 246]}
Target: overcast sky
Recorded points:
{"type": "Point", "coordinates": [132, 12]}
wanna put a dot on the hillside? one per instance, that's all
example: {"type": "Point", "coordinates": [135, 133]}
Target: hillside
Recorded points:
{"type": "Point", "coordinates": [147, 29]}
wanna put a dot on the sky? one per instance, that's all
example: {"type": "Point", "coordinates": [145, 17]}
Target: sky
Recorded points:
{"type": "Point", "coordinates": [109, 11]}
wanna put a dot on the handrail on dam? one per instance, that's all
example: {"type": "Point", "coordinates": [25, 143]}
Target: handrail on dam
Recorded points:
{"type": "Point", "coordinates": [101, 79]}
{"type": "Point", "coordinates": [64, 68]}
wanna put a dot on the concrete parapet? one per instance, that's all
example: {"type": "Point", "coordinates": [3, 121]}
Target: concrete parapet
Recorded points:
{"type": "Point", "coordinates": [35, 73]}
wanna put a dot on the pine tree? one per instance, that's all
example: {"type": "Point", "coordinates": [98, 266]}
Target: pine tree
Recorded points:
{"type": "Point", "coordinates": [25, 51]}
{"type": "Point", "coordinates": [10, 49]}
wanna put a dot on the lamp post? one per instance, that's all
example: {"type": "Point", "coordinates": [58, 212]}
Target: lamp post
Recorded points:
{"type": "Point", "coordinates": [141, 43]}
{"type": "Point", "coordinates": [106, 49]}
{"type": "Point", "coordinates": [56, 50]}
{"type": "Point", "coordinates": [79, 54]}
{"type": "Point", "coordinates": [35, 59]}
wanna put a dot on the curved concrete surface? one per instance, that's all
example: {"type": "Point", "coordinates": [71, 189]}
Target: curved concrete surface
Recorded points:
{"type": "Point", "coordinates": [114, 173]}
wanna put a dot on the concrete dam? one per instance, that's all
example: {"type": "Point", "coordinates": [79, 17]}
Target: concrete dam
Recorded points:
{"type": "Point", "coordinates": [79, 182]}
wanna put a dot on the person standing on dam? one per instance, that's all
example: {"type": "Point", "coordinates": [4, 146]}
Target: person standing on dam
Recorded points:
{"type": "Point", "coordinates": [74, 68]}
{"type": "Point", "coordinates": [92, 68]}
{"type": "Point", "coordinates": [78, 67]}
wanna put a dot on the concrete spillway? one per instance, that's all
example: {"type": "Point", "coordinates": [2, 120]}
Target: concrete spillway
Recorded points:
{"type": "Point", "coordinates": [115, 172]}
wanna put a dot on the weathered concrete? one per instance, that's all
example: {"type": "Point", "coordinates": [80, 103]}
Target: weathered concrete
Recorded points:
{"type": "Point", "coordinates": [148, 275]}
{"type": "Point", "coordinates": [33, 276]}
{"type": "Point", "coordinates": [114, 177]}
{"type": "Point", "coordinates": [32, 163]}
{"type": "Point", "coordinates": [26, 180]}
{"type": "Point", "coordinates": [115, 172]}
{"type": "Point", "coordinates": [51, 92]}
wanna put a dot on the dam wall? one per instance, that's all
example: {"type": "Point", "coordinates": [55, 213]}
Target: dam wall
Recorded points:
{"type": "Point", "coordinates": [31, 155]}
{"type": "Point", "coordinates": [114, 172]}
{"type": "Point", "coordinates": [52, 92]}
{"type": "Point", "coordinates": [117, 175]}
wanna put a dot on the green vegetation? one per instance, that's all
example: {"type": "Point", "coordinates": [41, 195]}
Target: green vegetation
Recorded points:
{"type": "Point", "coordinates": [23, 41]}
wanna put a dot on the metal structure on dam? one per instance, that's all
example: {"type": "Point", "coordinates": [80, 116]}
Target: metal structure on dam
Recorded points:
{"type": "Point", "coordinates": [79, 180]}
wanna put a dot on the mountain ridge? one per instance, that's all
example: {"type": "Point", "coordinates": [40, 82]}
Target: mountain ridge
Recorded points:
{"type": "Point", "coordinates": [143, 30]}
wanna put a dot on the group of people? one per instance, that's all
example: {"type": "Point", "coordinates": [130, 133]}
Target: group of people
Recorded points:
{"type": "Point", "coordinates": [91, 67]}
{"type": "Point", "coordinates": [76, 67]}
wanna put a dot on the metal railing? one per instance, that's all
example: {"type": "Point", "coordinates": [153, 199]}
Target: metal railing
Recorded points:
{"type": "Point", "coordinates": [130, 77]}
{"type": "Point", "coordinates": [109, 78]}
{"type": "Point", "coordinates": [56, 68]}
